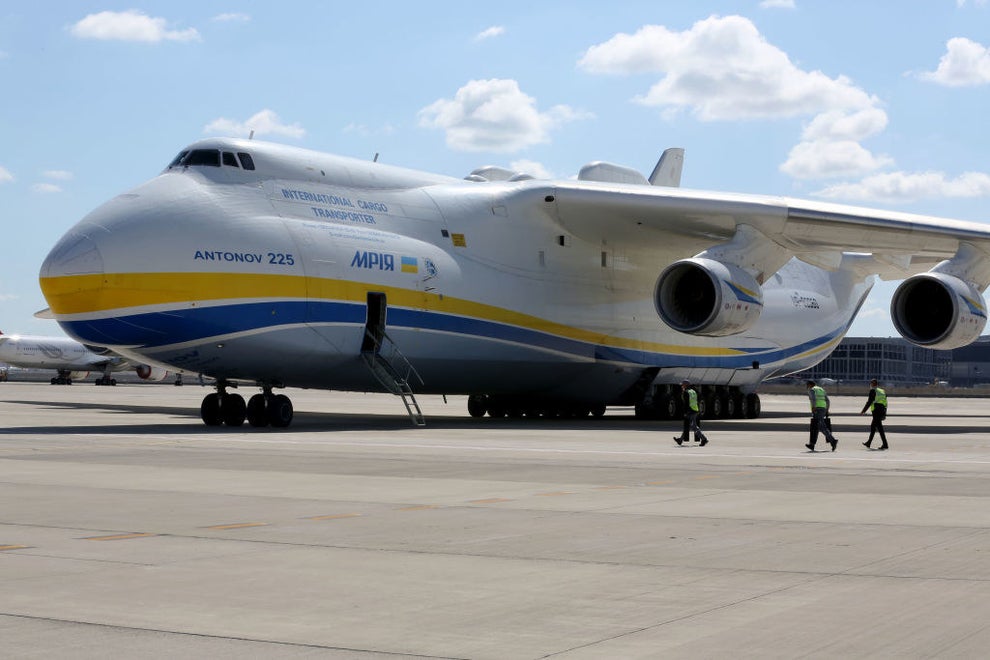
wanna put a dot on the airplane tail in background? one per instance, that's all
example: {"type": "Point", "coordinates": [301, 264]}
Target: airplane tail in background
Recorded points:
{"type": "Point", "coordinates": [668, 169]}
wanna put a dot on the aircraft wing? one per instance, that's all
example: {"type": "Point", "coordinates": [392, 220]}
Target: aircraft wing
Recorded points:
{"type": "Point", "coordinates": [690, 221]}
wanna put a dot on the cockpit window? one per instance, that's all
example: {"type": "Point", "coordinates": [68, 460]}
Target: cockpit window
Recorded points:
{"type": "Point", "coordinates": [246, 161]}
{"type": "Point", "coordinates": [209, 157]}
{"type": "Point", "coordinates": [178, 159]}
{"type": "Point", "coordinates": [230, 159]}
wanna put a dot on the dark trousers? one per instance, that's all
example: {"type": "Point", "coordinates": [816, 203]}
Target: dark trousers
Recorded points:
{"type": "Point", "coordinates": [876, 426]}
{"type": "Point", "coordinates": [818, 423]}
{"type": "Point", "coordinates": [691, 424]}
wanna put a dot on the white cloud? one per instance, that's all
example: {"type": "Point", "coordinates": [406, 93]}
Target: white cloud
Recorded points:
{"type": "Point", "coordinates": [60, 175]}
{"type": "Point", "coordinates": [896, 187]}
{"type": "Point", "coordinates": [130, 25]}
{"type": "Point", "coordinates": [494, 115]}
{"type": "Point", "coordinates": [8, 296]}
{"type": "Point", "coordinates": [823, 159]}
{"type": "Point", "coordinates": [723, 69]}
{"type": "Point", "coordinates": [233, 17]}
{"type": "Point", "coordinates": [965, 63]}
{"type": "Point", "coordinates": [777, 4]}
{"type": "Point", "coordinates": [5, 175]}
{"type": "Point", "coordinates": [532, 168]}
{"type": "Point", "coordinates": [489, 33]}
{"type": "Point", "coordinates": [266, 122]}
{"type": "Point", "coordinates": [46, 188]}
{"type": "Point", "coordinates": [841, 125]}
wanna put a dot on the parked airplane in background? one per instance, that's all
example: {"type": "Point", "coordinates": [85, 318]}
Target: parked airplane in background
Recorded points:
{"type": "Point", "coordinates": [259, 263]}
{"type": "Point", "coordinates": [72, 360]}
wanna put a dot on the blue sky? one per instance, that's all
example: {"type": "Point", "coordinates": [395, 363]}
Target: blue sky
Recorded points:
{"type": "Point", "coordinates": [877, 104]}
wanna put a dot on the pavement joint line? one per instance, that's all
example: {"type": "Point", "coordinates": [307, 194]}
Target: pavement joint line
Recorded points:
{"type": "Point", "coordinates": [796, 456]}
{"type": "Point", "coordinates": [13, 547]}
{"type": "Point", "coordinates": [419, 507]}
{"type": "Point", "coordinates": [237, 525]}
{"type": "Point", "coordinates": [120, 537]}
{"type": "Point", "coordinates": [334, 516]}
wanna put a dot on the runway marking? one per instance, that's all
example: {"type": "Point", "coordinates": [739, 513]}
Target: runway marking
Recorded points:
{"type": "Point", "coordinates": [420, 507]}
{"type": "Point", "coordinates": [490, 500]}
{"type": "Point", "coordinates": [610, 487]}
{"type": "Point", "coordinates": [237, 525]}
{"type": "Point", "coordinates": [335, 516]}
{"type": "Point", "coordinates": [13, 547]}
{"type": "Point", "coordinates": [120, 537]}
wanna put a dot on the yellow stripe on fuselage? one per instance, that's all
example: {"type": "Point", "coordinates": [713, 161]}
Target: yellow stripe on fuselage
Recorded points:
{"type": "Point", "coordinates": [91, 294]}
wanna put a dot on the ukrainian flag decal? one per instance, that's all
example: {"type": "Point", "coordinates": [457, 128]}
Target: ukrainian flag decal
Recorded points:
{"type": "Point", "coordinates": [410, 265]}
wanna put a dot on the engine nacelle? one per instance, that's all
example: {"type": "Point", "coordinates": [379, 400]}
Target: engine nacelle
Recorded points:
{"type": "Point", "coordinates": [936, 310]}
{"type": "Point", "coordinates": [707, 297]}
{"type": "Point", "coordinates": [78, 375]}
{"type": "Point", "coordinates": [147, 372]}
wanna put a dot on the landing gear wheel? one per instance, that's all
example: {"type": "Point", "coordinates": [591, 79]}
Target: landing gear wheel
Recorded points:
{"type": "Point", "coordinates": [598, 410]}
{"type": "Point", "coordinates": [279, 411]}
{"type": "Point", "coordinates": [232, 409]}
{"type": "Point", "coordinates": [751, 406]}
{"type": "Point", "coordinates": [209, 410]}
{"type": "Point", "coordinates": [257, 411]}
{"type": "Point", "coordinates": [477, 405]}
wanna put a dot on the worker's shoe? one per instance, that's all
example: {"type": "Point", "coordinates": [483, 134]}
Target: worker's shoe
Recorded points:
{"type": "Point", "coordinates": [883, 447]}
{"type": "Point", "coordinates": [834, 443]}
{"type": "Point", "coordinates": [678, 440]}
{"type": "Point", "coordinates": [810, 446]}
{"type": "Point", "coordinates": [704, 441]}
{"type": "Point", "coordinates": [867, 444]}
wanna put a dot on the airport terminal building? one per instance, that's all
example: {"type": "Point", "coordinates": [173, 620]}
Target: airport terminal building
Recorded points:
{"type": "Point", "coordinates": [891, 359]}
{"type": "Point", "coordinates": [897, 362]}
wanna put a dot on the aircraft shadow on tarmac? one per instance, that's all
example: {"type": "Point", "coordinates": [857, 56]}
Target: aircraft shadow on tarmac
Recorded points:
{"type": "Point", "coordinates": [309, 422]}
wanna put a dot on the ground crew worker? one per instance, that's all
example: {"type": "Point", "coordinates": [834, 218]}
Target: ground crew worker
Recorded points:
{"type": "Point", "coordinates": [819, 415]}
{"type": "Point", "coordinates": [692, 411]}
{"type": "Point", "coordinates": [877, 403]}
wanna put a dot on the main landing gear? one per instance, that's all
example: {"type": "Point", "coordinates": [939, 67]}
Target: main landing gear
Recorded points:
{"type": "Point", "coordinates": [264, 409]}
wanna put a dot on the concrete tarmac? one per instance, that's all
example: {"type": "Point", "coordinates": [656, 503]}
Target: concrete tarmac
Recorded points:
{"type": "Point", "coordinates": [129, 529]}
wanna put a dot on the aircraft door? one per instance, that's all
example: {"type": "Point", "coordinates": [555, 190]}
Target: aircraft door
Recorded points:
{"type": "Point", "coordinates": [374, 327]}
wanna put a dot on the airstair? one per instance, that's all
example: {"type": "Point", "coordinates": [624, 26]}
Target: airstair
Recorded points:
{"type": "Point", "coordinates": [391, 368]}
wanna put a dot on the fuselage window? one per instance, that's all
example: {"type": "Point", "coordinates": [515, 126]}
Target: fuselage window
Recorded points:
{"type": "Point", "coordinates": [210, 157]}
{"type": "Point", "coordinates": [230, 159]}
{"type": "Point", "coordinates": [246, 161]}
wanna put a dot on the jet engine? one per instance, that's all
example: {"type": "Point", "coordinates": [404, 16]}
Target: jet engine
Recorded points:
{"type": "Point", "coordinates": [146, 372]}
{"type": "Point", "coordinates": [707, 297]}
{"type": "Point", "coordinates": [937, 310]}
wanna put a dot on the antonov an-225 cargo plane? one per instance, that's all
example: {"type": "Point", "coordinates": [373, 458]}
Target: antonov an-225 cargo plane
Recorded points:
{"type": "Point", "coordinates": [257, 263]}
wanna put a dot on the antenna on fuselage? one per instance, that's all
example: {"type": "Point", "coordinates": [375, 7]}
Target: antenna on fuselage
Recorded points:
{"type": "Point", "coordinates": [251, 136]}
{"type": "Point", "coordinates": [375, 159]}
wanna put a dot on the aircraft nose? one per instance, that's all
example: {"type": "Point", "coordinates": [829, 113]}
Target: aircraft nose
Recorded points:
{"type": "Point", "coordinates": [72, 271]}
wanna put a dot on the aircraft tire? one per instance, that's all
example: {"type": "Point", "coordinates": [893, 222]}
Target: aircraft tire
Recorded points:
{"type": "Point", "coordinates": [209, 410]}
{"type": "Point", "coordinates": [280, 411]}
{"type": "Point", "coordinates": [751, 406]}
{"type": "Point", "coordinates": [598, 410]}
{"type": "Point", "coordinates": [477, 405]}
{"type": "Point", "coordinates": [233, 409]}
{"type": "Point", "coordinates": [257, 413]}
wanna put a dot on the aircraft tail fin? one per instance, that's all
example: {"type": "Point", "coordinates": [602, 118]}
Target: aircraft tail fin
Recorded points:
{"type": "Point", "coordinates": [45, 313]}
{"type": "Point", "coordinates": [668, 169]}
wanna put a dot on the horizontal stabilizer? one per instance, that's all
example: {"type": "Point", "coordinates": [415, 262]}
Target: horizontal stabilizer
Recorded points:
{"type": "Point", "coordinates": [45, 313]}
